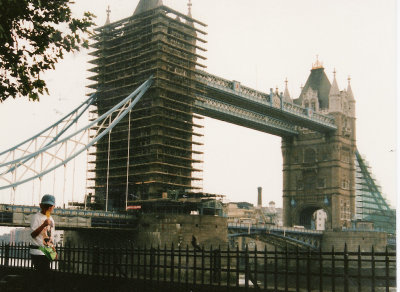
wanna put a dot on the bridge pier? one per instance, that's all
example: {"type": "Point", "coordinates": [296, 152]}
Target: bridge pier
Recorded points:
{"type": "Point", "coordinates": [157, 229]}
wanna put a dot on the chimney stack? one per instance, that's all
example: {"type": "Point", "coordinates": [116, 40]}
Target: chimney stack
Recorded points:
{"type": "Point", "coordinates": [259, 202]}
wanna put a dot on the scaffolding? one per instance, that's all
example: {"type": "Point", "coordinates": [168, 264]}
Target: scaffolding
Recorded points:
{"type": "Point", "coordinates": [370, 204]}
{"type": "Point", "coordinates": [154, 149]}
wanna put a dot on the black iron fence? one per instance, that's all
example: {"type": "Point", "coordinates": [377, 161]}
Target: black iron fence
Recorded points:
{"type": "Point", "coordinates": [263, 270]}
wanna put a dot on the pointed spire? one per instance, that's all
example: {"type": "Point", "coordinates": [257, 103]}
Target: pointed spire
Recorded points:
{"type": "Point", "coordinates": [334, 87]}
{"type": "Point", "coordinates": [145, 5]}
{"type": "Point", "coordinates": [189, 22]}
{"type": "Point", "coordinates": [286, 95]}
{"type": "Point", "coordinates": [317, 64]}
{"type": "Point", "coordinates": [190, 8]}
{"type": "Point", "coordinates": [349, 91]}
{"type": "Point", "coordinates": [108, 15]}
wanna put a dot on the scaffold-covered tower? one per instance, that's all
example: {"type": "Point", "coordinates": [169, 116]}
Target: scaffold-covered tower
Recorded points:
{"type": "Point", "coordinates": [155, 149]}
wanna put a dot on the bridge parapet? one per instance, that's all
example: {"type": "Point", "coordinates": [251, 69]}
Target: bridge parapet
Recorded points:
{"type": "Point", "coordinates": [229, 109]}
{"type": "Point", "coordinates": [232, 86]}
{"type": "Point", "coordinates": [19, 216]}
{"type": "Point", "coordinates": [296, 109]}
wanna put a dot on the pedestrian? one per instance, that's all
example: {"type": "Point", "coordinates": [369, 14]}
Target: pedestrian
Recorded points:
{"type": "Point", "coordinates": [42, 237]}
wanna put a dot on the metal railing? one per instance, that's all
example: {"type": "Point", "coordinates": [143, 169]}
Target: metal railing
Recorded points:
{"type": "Point", "coordinates": [262, 270]}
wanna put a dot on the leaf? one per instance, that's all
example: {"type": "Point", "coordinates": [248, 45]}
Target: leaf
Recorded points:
{"type": "Point", "coordinates": [32, 41]}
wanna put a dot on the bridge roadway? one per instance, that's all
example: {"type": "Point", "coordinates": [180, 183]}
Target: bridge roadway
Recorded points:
{"type": "Point", "coordinates": [231, 102]}
{"type": "Point", "coordinates": [278, 236]}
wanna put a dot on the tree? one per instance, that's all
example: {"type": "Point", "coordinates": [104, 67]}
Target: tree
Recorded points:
{"type": "Point", "coordinates": [34, 35]}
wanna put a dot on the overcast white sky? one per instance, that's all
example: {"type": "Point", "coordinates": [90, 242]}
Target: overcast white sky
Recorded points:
{"type": "Point", "coordinates": [258, 43]}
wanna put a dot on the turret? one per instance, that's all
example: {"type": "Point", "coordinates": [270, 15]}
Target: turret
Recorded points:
{"type": "Point", "coordinates": [189, 22]}
{"type": "Point", "coordinates": [286, 95]}
{"type": "Point", "coordinates": [108, 15]}
{"type": "Point", "coordinates": [351, 100]}
{"type": "Point", "coordinates": [335, 104]}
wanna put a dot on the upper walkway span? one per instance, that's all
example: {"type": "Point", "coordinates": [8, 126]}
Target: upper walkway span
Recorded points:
{"type": "Point", "coordinates": [231, 102]}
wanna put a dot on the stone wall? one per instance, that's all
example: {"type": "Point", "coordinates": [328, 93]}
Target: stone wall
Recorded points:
{"type": "Point", "coordinates": [353, 239]}
{"type": "Point", "coordinates": [178, 229]}
{"type": "Point", "coordinates": [158, 229]}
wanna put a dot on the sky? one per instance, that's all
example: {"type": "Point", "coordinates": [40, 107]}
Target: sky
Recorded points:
{"type": "Point", "coordinates": [259, 43]}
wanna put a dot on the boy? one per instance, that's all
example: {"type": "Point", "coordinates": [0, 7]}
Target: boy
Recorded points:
{"type": "Point", "coordinates": [42, 234]}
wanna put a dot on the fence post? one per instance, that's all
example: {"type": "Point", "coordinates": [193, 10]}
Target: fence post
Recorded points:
{"type": "Point", "coordinates": [179, 263]}
{"type": "Point", "coordinates": [276, 270]}
{"type": "Point", "coordinates": [80, 261]}
{"type": "Point", "coordinates": [152, 262]}
{"type": "Point", "coordinates": [145, 263]}
{"type": "Point", "coordinates": [286, 268]}
{"type": "Point", "coordinates": [2, 253]}
{"type": "Point", "coordinates": [333, 269]}
{"type": "Point", "coordinates": [265, 268]}
{"type": "Point", "coordinates": [359, 268]}
{"type": "Point", "coordinates": [246, 267]}
{"type": "Point", "coordinates": [297, 270]}
{"type": "Point", "coordinates": [132, 261]}
{"type": "Point", "coordinates": [255, 267]}
{"type": "Point", "coordinates": [165, 263]}
{"type": "Point", "coordinates": [373, 269]}
{"type": "Point", "coordinates": [187, 267]}
{"type": "Point", "coordinates": [172, 276]}
{"type": "Point", "coordinates": [138, 263]}
{"type": "Point", "coordinates": [346, 269]}
{"type": "Point", "coordinates": [237, 265]}
{"type": "Point", "coordinates": [202, 265]}
{"type": "Point", "coordinates": [7, 255]}
{"type": "Point", "coordinates": [217, 265]}
{"type": "Point", "coordinates": [158, 265]}
{"type": "Point", "coordinates": [194, 266]}
{"type": "Point", "coordinates": [387, 269]}
{"type": "Point", "coordinates": [228, 272]}
{"type": "Point", "coordinates": [321, 270]}
{"type": "Point", "coordinates": [211, 265]}
{"type": "Point", "coordinates": [114, 255]}
{"type": "Point", "coordinates": [308, 269]}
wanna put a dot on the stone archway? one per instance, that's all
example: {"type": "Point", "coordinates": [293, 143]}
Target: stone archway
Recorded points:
{"type": "Point", "coordinates": [307, 217]}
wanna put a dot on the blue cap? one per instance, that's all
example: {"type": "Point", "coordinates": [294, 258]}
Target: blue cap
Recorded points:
{"type": "Point", "coordinates": [48, 200]}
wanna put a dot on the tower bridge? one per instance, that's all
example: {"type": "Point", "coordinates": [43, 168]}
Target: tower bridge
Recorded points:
{"type": "Point", "coordinates": [145, 147]}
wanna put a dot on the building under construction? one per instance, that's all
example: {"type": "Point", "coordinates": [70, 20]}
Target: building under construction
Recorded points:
{"type": "Point", "coordinates": [153, 150]}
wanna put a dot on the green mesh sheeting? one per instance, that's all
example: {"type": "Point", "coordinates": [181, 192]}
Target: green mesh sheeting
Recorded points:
{"type": "Point", "coordinates": [370, 204]}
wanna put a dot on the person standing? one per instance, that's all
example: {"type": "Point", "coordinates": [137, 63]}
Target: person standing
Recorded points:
{"type": "Point", "coordinates": [42, 235]}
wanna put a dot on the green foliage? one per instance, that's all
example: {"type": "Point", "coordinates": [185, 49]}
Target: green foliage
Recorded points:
{"type": "Point", "coordinates": [34, 35]}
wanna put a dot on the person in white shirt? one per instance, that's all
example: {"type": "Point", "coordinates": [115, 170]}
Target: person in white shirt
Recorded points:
{"type": "Point", "coordinates": [42, 234]}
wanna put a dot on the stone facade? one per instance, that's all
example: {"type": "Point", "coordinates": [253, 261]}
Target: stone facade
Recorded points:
{"type": "Point", "coordinates": [318, 168]}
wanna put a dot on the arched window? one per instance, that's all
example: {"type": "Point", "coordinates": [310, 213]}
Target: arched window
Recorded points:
{"type": "Point", "coordinates": [313, 105]}
{"type": "Point", "coordinates": [309, 155]}
{"type": "Point", "coordinates": [310, 183]}
{"type": "Point", "coordinates": [306, 104]}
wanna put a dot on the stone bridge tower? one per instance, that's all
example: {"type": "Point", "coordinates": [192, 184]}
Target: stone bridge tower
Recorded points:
{"type": "Point", "coordinates": [319, 169]}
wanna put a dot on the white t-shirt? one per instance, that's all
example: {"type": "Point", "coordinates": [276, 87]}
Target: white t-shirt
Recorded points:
{"type": "Point", "coordinates": [46, 234]}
